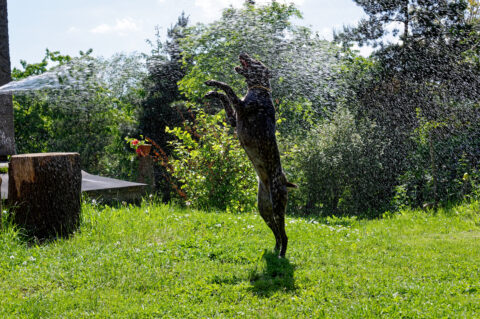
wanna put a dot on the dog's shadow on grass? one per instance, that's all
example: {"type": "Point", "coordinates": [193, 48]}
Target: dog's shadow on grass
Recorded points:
{"type": "Point", "coordinates": [276, 274]}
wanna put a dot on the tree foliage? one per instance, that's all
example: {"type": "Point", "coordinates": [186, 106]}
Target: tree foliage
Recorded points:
{"type": "Point", "coordinates": [84, 116]}
{"type": "Point", "coordinates": [310, 79]}
{"type": "Point", "coordinates": [431, 69]}
{"type": "Point", "coordinates": [406, 20]}
{"type": "Point", "coordinates": [212, 168]}
{"type": "Point", "coordinates": [357, 134]}
{"type": "Point", "coordinates": [304, 68]}
{"type": "Point", "coordinates": [339, 167]}
{"type": "Point", "coordinates": [162, 107]}
{"type": "Point", "coordinates": [165, 70]}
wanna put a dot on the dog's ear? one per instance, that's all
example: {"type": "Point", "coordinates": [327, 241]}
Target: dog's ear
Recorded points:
{"type": "Point", "coordinates": [268, 74]}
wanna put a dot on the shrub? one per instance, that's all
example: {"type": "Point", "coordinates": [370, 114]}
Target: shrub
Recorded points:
{"type": "Point", "coordinates": [83, 105]}
{"type": "Point", "coordinates": [443, 167]}
{"type": "Point", "coordinates": [339, 167]}
{"type": "Point", "coordinates": [211, 166]}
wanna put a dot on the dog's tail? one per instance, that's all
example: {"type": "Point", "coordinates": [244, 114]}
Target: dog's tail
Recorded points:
{"type": "Point", "coordinates": [291, 185]}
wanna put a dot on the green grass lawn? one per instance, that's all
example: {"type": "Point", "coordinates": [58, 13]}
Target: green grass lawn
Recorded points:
{"type": "Point", "coordinates": [158, 261]}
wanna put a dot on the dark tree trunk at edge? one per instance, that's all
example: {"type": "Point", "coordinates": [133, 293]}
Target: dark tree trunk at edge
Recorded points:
{"type": "Point", "coordinates": [7, 139]}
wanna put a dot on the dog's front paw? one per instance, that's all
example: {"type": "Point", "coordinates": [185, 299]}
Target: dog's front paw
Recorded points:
{"type": "Point", "coordinates": [210, 82]}
{"type": "Point", "coordinates": [211, 94]}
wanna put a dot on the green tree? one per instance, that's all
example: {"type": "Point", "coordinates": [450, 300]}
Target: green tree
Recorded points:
{"type": "Point", "coordinates": [307, 85]}
{"type": "Point", "coordinates": [41, 67]}
{"type": "Point", "coordinates": [162, 105]}
{"type": "Point", "coordinates": [304, 68]}
{"type": "Point", "coordinates": [339, 167]}
{"type": "Point", "coordinates": [444, 165]}
{"type": "Point", "coordinates": [431, 68]}
{"type": "Point", "coordinates": [76, 111]}
{"type": "Point", "coordinates": [33, 115]}
{"type": "Point", "coordinates": [473, 37]}
{"type": "Point", "coordinates": [406, 20]}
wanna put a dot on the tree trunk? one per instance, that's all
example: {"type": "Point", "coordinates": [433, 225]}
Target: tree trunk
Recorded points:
{"type": "Point", "coordinates": [7, 140]}
{"type": "Point", "coordinates": [146, 172]}
{"type": "Point", "coordinates": [433, 165]}
{"type": "Point", "coordinates": [45, 191]}
{"type": "Point", "coordinates": [406, 22]}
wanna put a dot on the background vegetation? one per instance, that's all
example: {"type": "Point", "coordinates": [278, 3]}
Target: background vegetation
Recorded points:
{"type": "Point", "coordinates": [361, 136]}
{"type": "Point", "coordinates": [394, 137]}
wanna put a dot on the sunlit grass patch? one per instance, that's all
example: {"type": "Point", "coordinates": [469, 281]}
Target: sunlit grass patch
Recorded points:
{"type": "Point", "coordinates": [163, 261]}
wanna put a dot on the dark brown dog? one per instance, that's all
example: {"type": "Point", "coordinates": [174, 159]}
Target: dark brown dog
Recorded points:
{"type": "Point", "coordinates": [254, 119]}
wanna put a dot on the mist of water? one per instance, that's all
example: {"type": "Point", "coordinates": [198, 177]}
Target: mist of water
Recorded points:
{"type": "Point", "coordinates": [57, 79]}
{"type": "Point", "coordinates": [423, 110]}
{"type": "Point", "coordinates": [117, 74]}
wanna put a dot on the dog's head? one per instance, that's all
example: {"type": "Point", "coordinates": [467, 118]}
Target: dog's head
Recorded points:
{"type": "Point", "coordinates": [255, 72]}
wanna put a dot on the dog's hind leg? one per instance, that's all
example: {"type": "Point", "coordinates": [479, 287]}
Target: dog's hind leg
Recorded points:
{"type": "Point", "coordinates": [265, 209]}
{"type": "Point", "coordinates": [227, 105]}
{"type": "Point", "coordinates": [280, 220]}
{"type": "Point", "coordinates": [279, 201]}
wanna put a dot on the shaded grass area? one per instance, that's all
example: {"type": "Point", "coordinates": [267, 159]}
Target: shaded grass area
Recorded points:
{"type": "Point", "coordinates": [158, 261]}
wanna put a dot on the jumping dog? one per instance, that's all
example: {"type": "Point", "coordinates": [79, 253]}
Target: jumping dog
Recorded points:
{"type": "Point", "coordinates": [254, 120]}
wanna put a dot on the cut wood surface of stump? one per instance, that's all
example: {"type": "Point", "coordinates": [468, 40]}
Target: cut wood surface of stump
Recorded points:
{"type": "Point", "coordinates": [45, 191]}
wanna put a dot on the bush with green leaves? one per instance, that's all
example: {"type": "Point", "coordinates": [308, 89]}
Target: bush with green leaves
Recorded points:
{"type": "Point", "coordinates": [211, 166]}
{"type": "Point", "coordinates": [88, 108]}
{"type": "Point", "coordinates": [338, 166]}
{"type": "Point", "coordinates": [444, 165]}
{"type": "Point", "coordinates": [433, 67]}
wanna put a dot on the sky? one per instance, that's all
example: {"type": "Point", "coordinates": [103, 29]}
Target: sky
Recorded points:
{"type": "Point", "coordinates": [113, 26]}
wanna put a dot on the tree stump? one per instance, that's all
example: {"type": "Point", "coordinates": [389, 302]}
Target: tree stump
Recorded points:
{"type": "Point", "coordinates": [45, 191]}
